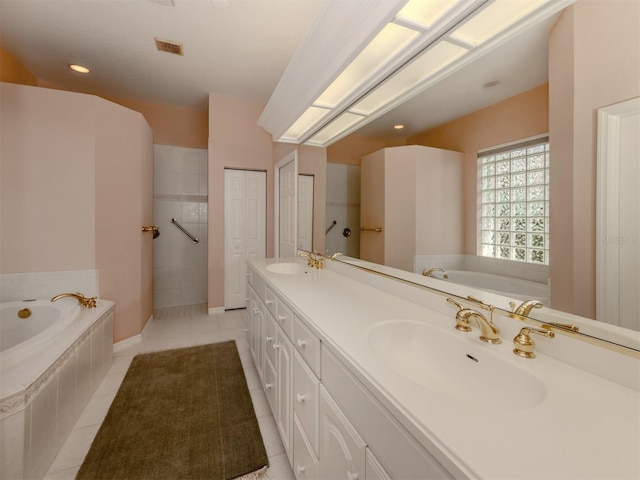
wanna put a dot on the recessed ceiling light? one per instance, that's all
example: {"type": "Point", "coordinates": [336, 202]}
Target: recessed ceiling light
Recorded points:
{"type": "Point", "coordinates": [79, 68]}
{"type": "Point", "coordinates": [398, 126]}
{"type": "Point", "coordinates": [492, 83]}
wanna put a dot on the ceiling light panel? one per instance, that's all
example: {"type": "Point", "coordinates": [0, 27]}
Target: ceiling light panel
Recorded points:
{"type": "Point", "coordinates": [392, 40]}
{"type": "Point", "coordinates": [494, 19]}
{"type": "Point", "coordinates": [307, 120]}
{"type": "Point", "coordinates": [341, 124]}
{"type": "Point", "coordinates": [410, 77]}
{"type": "Point", "coordinates": [425, 13]}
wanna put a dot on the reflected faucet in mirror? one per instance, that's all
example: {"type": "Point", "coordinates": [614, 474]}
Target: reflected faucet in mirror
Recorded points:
{"type": "Point", "coordinates": [427, 273]}
{"type": "Point", "coordinates": [526, 307]}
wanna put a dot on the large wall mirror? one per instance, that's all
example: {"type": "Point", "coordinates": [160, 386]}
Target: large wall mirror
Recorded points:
{"type": "Point", "coordinates": [551, 80]}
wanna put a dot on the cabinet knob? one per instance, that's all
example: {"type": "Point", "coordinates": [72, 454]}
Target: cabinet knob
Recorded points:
{"type": "Point", "coordinates": [268, 386]}
{"type": "Point", "coordinates": [301, 398]}
{"type": "Point", "coordinates": [255, 310]}
{"type": "Point", "coordinates": [268, 338]}
{"type": "Point", "coordinates": [281, 318]}
{"type": "Point", "coordinates": [352, 476]}
{"type": "Point", "coordinates": [301, 343]}
{"type": "Point", "coordinates": [268, 302]}
{"type": "Point", "coordinates": [301, 468]}
{"type": "Point", "coordinates": [247, 274]}
{"type": "Point", "coordinates": [275, 346]}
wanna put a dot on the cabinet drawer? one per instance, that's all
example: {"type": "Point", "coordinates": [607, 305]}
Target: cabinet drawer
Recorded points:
{"type": "Point", "coordinates": [270, 300]}
{"type": "Point", "coordinates": [285, 318]}
{"type": "Point", "coordinates": [270, 339]}
{"type": "Point", "coordinates": [305, 462]}
{"type": "Point", "coordinates": [270, 387]}
{"type": "Point", "coordinates": [305, 399]}
{"type": "Point", "coordinates": [307, 344]}
{"type": "Point", "coordinates": [400, 453]}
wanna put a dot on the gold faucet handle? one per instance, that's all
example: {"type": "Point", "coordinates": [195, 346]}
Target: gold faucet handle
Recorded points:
{"type": "Point", "coordinates": [525, 344]}
{"type": "Point", "coordinates": [462, 317]}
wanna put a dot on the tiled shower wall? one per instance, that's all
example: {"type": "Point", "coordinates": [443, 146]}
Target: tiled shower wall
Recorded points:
{"type": "Point", "coordinates": [180, 192]}
{"type": "Point", "coordinates": [343, 206]}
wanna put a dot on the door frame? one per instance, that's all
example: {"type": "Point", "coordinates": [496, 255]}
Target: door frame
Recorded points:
{"type": "Point", "coordinates": [609, 158]}
{"type": "Point", "coordinates": [293, 156]}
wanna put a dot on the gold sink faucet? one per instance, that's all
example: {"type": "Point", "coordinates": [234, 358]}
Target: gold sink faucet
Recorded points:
{"type": "Point", "coordinates": [311, 260]}
{"type": "Point", "coordinates": [489, 332]}
{"type": "Point", "coordinates": [427, 273]}
{"type": "Point", "coordinates": [526, 307]}
{"type": "Point", "coordinates": [89, 302]}
{"type": "Point", "coordinates": [524, 344]}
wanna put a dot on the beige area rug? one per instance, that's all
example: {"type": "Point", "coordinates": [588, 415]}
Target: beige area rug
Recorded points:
{"type": "Point", "coordinates": [180, 414]}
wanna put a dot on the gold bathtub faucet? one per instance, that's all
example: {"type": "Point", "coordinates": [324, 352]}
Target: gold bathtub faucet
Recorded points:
{"type": "Point", "coordinates": [89, 302]}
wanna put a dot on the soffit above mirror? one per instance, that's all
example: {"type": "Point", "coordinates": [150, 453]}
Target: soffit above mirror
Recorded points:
{"type": "Point", "coordinates": [361, 59]}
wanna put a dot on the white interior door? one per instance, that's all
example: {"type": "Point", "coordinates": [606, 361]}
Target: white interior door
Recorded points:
{"type": "Point", "coordinates": [618, 217]}
{"type": "Point", "coordinates": [305, 212]}
{"type": "Point", "coordinates": [286, 191]}
{"type": "Point", "coordinates": [244, 230]}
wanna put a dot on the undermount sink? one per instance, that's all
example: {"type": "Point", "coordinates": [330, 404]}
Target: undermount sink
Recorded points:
{"type": "Point", "coordinates": [447, 364]}
{"type": "Point", "coordinates": [286, 268]}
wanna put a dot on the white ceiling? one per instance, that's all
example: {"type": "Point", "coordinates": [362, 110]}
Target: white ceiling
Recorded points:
{"type": "Point", "coordinates": [232, 47]}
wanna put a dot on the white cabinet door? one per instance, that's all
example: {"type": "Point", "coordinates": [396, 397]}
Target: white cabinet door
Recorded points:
{"type": "Point", "coordinates": [342, 451]}
{"type": "Point", "coordinates": [286, 188]}
{"type": "Point", "coordinates": [257, 336]}
{"type": "Point", "coordinates": [305, 461]}
{"type": "Point", "coordinates": [374, 470]}
{"type": "Point", "coordinates": [284, 409]}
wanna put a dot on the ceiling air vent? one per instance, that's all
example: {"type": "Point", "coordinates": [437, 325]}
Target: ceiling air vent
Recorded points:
{"type": "Point", "coordinates": [169, 46]}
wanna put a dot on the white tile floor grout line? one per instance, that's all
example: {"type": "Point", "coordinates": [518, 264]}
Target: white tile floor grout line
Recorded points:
{"type": "Point", "coordinates": [173, 327]}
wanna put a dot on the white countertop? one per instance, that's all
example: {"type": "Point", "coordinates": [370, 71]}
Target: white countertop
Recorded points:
{"type": "Point", "coordinates": [585, 427]}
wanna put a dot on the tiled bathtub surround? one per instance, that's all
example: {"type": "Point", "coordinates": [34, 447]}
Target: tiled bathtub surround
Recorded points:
{"type": "Point", "coordinates": [22, 286]}
{"type": "Point", "coordinates": [180, 192]}
{"type": "Point", "coordinates": [38, 412]}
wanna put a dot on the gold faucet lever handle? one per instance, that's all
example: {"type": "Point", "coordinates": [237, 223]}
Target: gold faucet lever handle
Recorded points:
{"type": "Point", "coordinates": [524, 344]}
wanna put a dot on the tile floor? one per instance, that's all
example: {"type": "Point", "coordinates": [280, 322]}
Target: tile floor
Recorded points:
{"type": "Point", "coordinates": [173, 328]}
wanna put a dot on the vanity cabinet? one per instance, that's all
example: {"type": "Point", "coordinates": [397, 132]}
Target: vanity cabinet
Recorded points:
{"type": "Point", "coordinates": [330, 425]}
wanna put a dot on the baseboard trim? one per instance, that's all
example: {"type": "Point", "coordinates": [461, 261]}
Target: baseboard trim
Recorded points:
{"type": "Point", "coordinates": [127, 342]}
{"type": "Point", "coordinates": [216, 310]}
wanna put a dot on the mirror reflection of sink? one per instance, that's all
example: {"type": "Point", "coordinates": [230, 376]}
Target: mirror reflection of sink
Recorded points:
{"type": "Point", "coordinates": [286, 268]}
{"type": "Point", "coordinates": [451, 366]}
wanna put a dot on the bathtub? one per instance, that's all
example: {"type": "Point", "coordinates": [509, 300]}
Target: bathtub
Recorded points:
{"type": "Point", "coordinates": [50, 363]}
{"type": "Point", "coordinates": [507, 286]}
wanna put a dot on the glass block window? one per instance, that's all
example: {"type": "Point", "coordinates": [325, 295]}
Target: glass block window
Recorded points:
{"type": "Point", "coordinates": [514, 202]}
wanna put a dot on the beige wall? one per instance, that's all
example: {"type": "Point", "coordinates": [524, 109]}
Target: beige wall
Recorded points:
{"type": "Point", "coordinates": [352, 148]}
{"type": "Point", "coordinates": [12, 70]}
{"type": "Point", "coordinates": [594, 62]}
{"type": "Point", "coordinates": [124, 203]}
{"type": "Point", "coordinates": [518, 117]}
{"type": "Point", "coordinates": [47, 209]}
{"type": "Point", "coordinates": [235, 141]}
{"type": "Point", "coordinates": [76, 188]}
